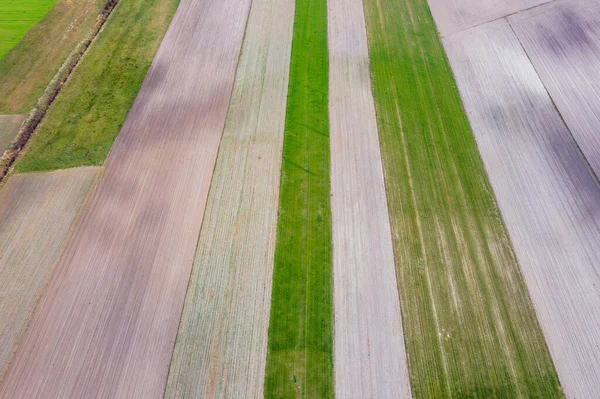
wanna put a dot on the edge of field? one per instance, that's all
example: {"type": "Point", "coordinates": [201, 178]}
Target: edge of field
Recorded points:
{"type": "Point", "coordinates": [85, 119]}
{"type": "Point", "coordinates": [460, 309]}
{"type": "Point", "coordinates": [28, 67]}
{"type": "Point", "coordinates": [300, 348]}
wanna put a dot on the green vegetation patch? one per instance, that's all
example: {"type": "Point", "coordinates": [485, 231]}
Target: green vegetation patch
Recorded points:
{"type": "Point", "coordinates": [28, 68]}
{"type": "Point", "coordinates": [17, 17]}
{"type": "Point", "coordinates": [87, 116]}
{"type": "Point", "coordinates": [300, 354]}
{"type": "Point", "coordinates": [470, 327]}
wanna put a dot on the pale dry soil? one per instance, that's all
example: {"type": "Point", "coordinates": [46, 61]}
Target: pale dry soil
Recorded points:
{"type": "Point", "coordinates": [453, 16]}
{"type": "Point", "coordinates": [9, 127]}
{"type": "Point", "coordinates": [37, 211]}
{"type": "Point", "coordinates": [562, 39]}
{"type": "Point", "coordinates": [107, 324]}
{"type": "Point", "coordinates": [221, 346]}
{"type": "Point", "coordinates": [370, 357]}
{"type": "Point", "coordinates": [547, 194]}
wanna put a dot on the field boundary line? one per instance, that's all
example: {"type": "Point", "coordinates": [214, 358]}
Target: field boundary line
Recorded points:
{"type": "Point", "coordinates": [587, 162]}
{"type": "Point", "coordinates": [492, 20]}
{"type": "Point", "coordinates": [210, 189]}
{"type": "Point", "coordinates": [37, 114]}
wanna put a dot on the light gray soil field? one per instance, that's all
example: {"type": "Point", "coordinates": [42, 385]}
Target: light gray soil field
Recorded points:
{"type": "Point", "coordinates": [370, 358]}
{"type": "Point", "coordinates": [36, 214]}
{"type": "Point", "coordinates": [453, 16]}
{"type": "Point", "coordinates": [562, 39]}
{"type": "Point", "coordinates": [221, 345]}
{"type": "Point", "coordinates": [547, 194]}
{"type": "Point", "coordinates": [107, 324]}
{"type": "Point", "coordinates": [9, 127]}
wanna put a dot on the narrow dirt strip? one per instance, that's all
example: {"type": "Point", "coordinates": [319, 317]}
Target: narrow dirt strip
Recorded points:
{"type": "Point", "coordinates": [107, 325]}
{"type": "Point", "coordinates": [37, 211]}
{"type": "Point", "coordinates": [548, 195]}
{"type": "Point", "coordinates": [221, 346]}
{"type": "Point", "coordinates": [370, 358]}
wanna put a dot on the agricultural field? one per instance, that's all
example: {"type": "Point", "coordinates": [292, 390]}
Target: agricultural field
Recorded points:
{"type": "Point", "coordinates": [38, 209]}
{"type": "Point", "coordinates": [85, 119]}
{"type": "Point", "coordinates": [300, 347]}
{"type": "Point", "coordinates": [31, 64]}
{"type": "Point", "coordinates": [562, 40]}
{"type": "Point", "coordinates": [17, 17]}
{"type": "Point", "coordinates": [221, 344]}
{"type": "Point", "coordinates": [547, 193]}
{"type": "Point", "coordinates": [370, 357]}
{"type": "Point", "coordinates": [124, 272]}
{"type": "Point", "coordinates": [463, 297]}
{"type": "Point", "coordinates": [300, 198]}
{"type": "Point", "coordinates": [453, 16]}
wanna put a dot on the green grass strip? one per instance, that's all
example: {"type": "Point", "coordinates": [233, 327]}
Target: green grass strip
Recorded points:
{"type": "Point", "coordinates": [470, 327]}
{"type": "Point", "coordinates": [87, 116]}
{"type": "Point", "coordinates": [300, 354]}
{"type": "Point", "coordinates": [17, 17]}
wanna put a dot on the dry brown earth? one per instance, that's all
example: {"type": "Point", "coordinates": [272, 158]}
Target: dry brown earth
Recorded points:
{"type": "Point", "coordinates": [562, 39]}
{"type": "Point", "coordinates": [107, 324]}
{"type": "Point", "coordinates": [9, 127]}
{"type": "Point", "coordinates": [370, 358]}
{"type": "Point", "coordinates": [221, 345]}
{"type": "Point", "coordinates": [36, 214]}
{"type": "Point", "coordinates": [547, 194]}
{"type": "Point", "coordinates": [453, 16]}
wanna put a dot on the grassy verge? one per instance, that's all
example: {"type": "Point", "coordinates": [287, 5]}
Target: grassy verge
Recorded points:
{"type": "Point", "coordinates": [28, 68]}
{"type": "Point", "coordinates": [300, 354]}
{"type": "Point", "coordinates": [17, 17]}
{"type": "Point", "coordinates": [470, 327]}
{"type": "Point", "coordinates": [85, 119]}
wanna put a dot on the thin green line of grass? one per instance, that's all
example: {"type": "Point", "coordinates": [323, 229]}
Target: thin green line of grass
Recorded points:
{"type": "Point", "coordinates": [87, 116]}
{"type": "Point", "coordinates": [300, 350]}
{"type": "Point", "coordinates": [470, 327]}
{"type": "Point", "coordinates": [17, 17]}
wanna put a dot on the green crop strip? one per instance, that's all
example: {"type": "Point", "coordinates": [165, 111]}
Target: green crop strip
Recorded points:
{"type": "Point", "coordinates": [300, 353]}
{"type": "Point", "coordinates": [470, 327]}
{"type": "Point", "coordinates": [87, 116]}
{"type": "Point", "coordinates": [17, 17]}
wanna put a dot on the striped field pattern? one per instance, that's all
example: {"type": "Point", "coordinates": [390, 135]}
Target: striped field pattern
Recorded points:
{"type": "Point", "coordinates": [304, 199]}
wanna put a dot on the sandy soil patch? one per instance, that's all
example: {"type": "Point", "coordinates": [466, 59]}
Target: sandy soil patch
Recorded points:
{"type": "Point", "coordinates": [370, 358]}
{"type": "Point", "coordinates": [108, 321]}
{"type": "Point", "coordinates": [547, 194]}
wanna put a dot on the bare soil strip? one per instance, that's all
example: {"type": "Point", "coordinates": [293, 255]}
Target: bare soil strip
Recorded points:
{"type": "Point", "coordinates": [454, 16]}
{"type": "Point", "coordinates": [107, 324]}
{"type": "Point", "coordinates": [547, 194]}
{"type": "Point", "coordinates": [36, 214]}
{"type": "Point", "coordinates": [9, 127]}
{"type": "Point", "coordinates": [221, 346]}
{"type": "Point", "coordinates": [370, 358]}
{"type": "Point", "coordinates": [562, 40]}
